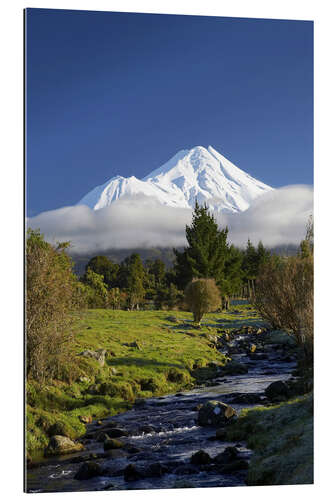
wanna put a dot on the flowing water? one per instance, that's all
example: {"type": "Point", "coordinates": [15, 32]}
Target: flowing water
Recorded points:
{"type": "Point", "coordinates": [173, 437]}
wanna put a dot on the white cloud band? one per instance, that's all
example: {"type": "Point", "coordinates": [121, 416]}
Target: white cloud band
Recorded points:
{"type": "Point", "coordinates": [276, 218]}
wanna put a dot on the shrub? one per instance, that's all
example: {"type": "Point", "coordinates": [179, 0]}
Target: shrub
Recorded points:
{"type": "Point", "coordinates": [284, 297]}
{"type": "Point", "coordinates": [122, 389]}
{"type": "Point", "coordinates": [202, 296]}
{"type": "Point", "coordinates": [51, 294]}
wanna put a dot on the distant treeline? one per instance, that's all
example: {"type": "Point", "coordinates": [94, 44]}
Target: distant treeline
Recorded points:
{"type": "Point", "coordinates": [165, 254]}
{"type": "Point", "coordinates": [150, 283]}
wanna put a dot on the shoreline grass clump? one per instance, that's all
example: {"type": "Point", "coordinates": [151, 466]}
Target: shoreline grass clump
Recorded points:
{"type": "Point", "coordinates": [281, 437]}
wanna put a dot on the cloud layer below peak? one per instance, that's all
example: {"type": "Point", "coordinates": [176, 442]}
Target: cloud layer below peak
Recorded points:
{"type": "Point", "coordinates": [277, 218]}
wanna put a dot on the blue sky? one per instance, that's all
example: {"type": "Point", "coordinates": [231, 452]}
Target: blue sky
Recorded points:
{"type": "Point", "coordinates": [116, 93]}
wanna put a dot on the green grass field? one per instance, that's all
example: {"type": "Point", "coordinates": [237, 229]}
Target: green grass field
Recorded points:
{"type": "Point", "coordinates": [169, 356]}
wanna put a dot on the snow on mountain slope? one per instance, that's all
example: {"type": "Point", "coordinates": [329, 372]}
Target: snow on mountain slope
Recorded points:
{"type": "Point", "coordinates": [198, 174]}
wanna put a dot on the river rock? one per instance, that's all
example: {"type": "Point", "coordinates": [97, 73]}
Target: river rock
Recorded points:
{"type": "Point", "coordinates": [215, 413]}
{"type": "Point", "coordinates": [113, 444]}
{"type": "Point", "coordinates": [61, 445]}
{"type": "Point", "coordinates": [200, 458]}
{"type": "Point", "coordinates": [99, 355]}
{"type": "Point", "coordinates": [230, 454]}
{"type": "Point", "coordinates": [88, 470]}
{"type": "Point", "coordinates": [132, 473]}
{"type": "Point", "coordinates": [276, 390]}
{"type": "Point", "coordinates": [116, 432]}
{"type": "Point", "coordinates": [155, 470]}
{"type": "Point", "coordinates": [147, 429]}
{"type": "Point", "coordinates": [234, 368]}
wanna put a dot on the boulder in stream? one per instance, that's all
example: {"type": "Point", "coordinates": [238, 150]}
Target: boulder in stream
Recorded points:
{"type": "Point", "coordinates": [230, 454]}
{"type": "Point", "coordinates": [88, 470]}
{"type": "Point", "coordinates": [215, 413]}
{"type": "Point", "coordinates": [200, 458]}
{"type": "Point", "coordinates": [277, 390]}
{"type": "Point", "coordinates": [61, 445]}
{"type": "Point", "coordinates": [133, 473]}
{"type": "Point", "coordinates": [235, 368]}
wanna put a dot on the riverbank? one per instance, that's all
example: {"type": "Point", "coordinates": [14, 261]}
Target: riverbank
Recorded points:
{"type": "Point", "coordinates": [169, 441]}
{"type": "Point", "coordinates": [147, 353]}
{"type": "Point", "coordinates": [281, 437]}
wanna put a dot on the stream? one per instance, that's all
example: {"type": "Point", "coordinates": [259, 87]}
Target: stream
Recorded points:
{"type": "Point", "coordinates": [163, 434]}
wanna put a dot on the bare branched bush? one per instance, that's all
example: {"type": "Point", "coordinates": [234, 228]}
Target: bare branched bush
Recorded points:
{"type": "Point", "coordinates": [202, 296]}
{"type": "Point", "coordinates": [51, 294]}
{"type": "Point", "coordinates": [284, 297]}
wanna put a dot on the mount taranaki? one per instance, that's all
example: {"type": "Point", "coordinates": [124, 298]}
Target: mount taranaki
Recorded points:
{"type": "Point", "coordinates": [197, 174]}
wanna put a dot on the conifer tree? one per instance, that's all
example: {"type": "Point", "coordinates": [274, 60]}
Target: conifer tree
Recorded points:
{"type": "Point", "coordinates": [207, 251]}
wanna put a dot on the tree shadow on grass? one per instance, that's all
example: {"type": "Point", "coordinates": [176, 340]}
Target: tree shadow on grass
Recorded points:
{"type": "Point", "coordinates": [218, 324]}
{"type": "Point", "coordinates": [127, 361]}
{"type": "Point", "coordinates": [239, 322]}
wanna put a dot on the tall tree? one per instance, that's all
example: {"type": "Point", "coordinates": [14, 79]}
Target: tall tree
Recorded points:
{"type": "Point", "coordinates": [132, 278]}
{"type": "Point", "coordinates": [207, 250]}
{"type": "Point", "coordinates": [104, 266]}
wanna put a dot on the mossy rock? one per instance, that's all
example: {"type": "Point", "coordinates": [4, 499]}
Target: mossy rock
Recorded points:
{"type": "Point", "coordinates": [62, 445]}
{"type": "Point", "coordinates": [215, 413]}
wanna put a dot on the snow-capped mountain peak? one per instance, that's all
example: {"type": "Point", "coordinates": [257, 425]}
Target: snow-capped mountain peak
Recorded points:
{"type": "Point", "coordinates": [197, 174]}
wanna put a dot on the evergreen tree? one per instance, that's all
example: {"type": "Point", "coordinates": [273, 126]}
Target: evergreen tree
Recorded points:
{"type": "Point", "coordinates": [233, 274]}
{"type": "Point", "coordinates": [250, 262]}
{"type": "Point", "coordinates": [207, 250]}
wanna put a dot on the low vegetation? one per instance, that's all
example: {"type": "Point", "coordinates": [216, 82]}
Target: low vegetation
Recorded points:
{"type": "Point", "coordinates": [147, 353]}
{"type": "Point", "coordinates": [202, 296]}
{"type": "Point", "coordinates": [123, 332]}
{"type": "Point", "coordinates": [281, 437]}
{"type": "Point", "coordinates": [284, 295]}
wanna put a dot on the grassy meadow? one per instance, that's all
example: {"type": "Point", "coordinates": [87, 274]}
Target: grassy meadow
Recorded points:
{"type": "Point", "coordinates": [148, 353]}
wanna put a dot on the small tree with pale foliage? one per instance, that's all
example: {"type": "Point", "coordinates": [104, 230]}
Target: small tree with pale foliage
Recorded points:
{"type": "Point", "coordinates": [202, 296]}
